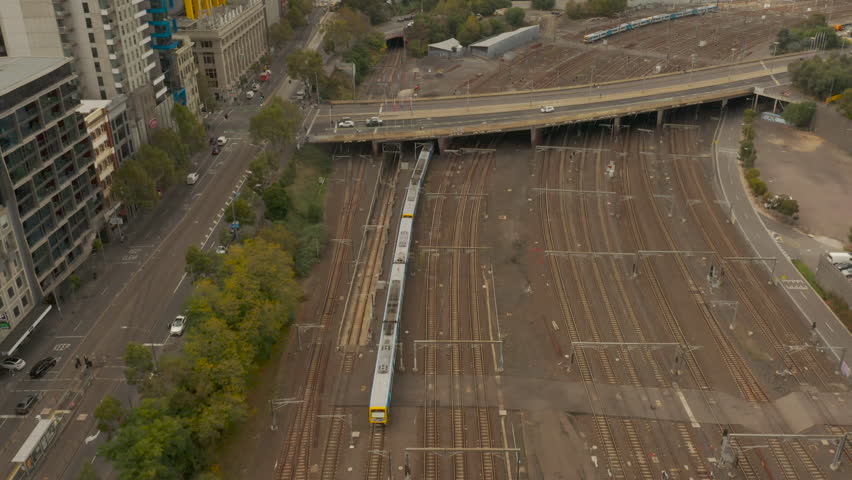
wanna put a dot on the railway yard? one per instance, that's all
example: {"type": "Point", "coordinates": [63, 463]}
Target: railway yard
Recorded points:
{"type": "Point", "coordinates": [583, 309]}
{"type": "Point", "coordinates": [738, 31]}
{"type": "Point", "coordinates": [572, 323]}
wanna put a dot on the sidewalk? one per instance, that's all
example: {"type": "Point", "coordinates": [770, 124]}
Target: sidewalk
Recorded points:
{"type": "Point", "coordinates": [733, 190]}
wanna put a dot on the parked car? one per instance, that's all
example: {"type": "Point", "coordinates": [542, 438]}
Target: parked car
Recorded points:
{"type": "Point", "coordinates": [547, 109]}
{"type": "Point", "coordinates": [43, 365]}
{"type": "Point", "coordinates": [216, 150]}
{"type": "Point", "coordinates": [221, 249]}
{"type": "Point", "coordinates": [13, 363]}
{"type": "Point", "coordinates": [24, 406]}
{"type": "Point", "coordinates": [843, 266]}
{"type": "Point", "coordinates": [255, 87]}
{"type": "Point", "coordinates": [374, 122]}
{"type": "Point", "coordinates": [221, 141]}
{"type": "Point", "coordinates": [178, 326]}
{"type": "Point", "coordinates": [345, 122]}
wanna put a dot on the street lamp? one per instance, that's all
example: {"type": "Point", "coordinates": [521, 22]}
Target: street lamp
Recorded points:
{"type": "Point", "coordinates": [774, 48]}
{"type": "Point", "coordinates": [692, 67]}
{"type": "Point", "coordinates": [731, 70]}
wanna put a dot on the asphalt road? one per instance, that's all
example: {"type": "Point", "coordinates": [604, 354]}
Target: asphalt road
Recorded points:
{"type": "Point", "coordinates": [140, 287]}
{"type": "Point", "coordinates": [519, 107]}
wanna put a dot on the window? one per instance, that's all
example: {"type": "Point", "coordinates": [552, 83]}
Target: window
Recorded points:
{"type": "Point", "coordinates": [25, 300]}
{"type": "Point", "coordinates": [206, 44]}
{"type": "Point", "coordinates": [17, 311]}
{"type": "Point", "coordinates": [85, 7]}
{"type": "Point", "coordinates": [95, 52]}
{"type": "Point", "coordinates": [91, 37]}
{"type": "Point", "coordinates": [103, 95]}
{"type": "Point", "coordinates": [210, 73]}
{"type": "Point", "coordinates": [98, 67]}
{"type": "Point", "coordinates": [11, 292]}
{"type": "Point", "coordinates": [88, 23]}
{"type": "Point", "coordinates": [100, 81]}
{"type": "Point", "coordinates": [19, 282]}
{"type": "Point", "coordinates": [208, 57]}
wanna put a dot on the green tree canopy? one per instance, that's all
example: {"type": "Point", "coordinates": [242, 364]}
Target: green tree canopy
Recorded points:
{"type": "Point", "coordinates": [799, 114]}
{"type": "Point", "coordinates": [823, 77]}
{"type": "Point", "coordinates": [200, 263]}
{"type": "Point", "coordinates": [191, 130]}
{"type": "Point", "coordinates": [470, 31]}
{"type": "Point", "coordinates": [138, 361]}
{"type": "Point", "coordinates": [543, 4]}
{"type": "Point", "coordinates": [134, 187]}
{"type": "Point", "coordinates": [811, 33]}
{"type": "Point", "coordinates": [277, 122]}
{"type": "Point", "coordinates": [204, 93]}
{"type": "Point", "coordinates": [110, 415]}
{"type": "Point", "coordinates": [280, 33]}
{"type": "Point", "coordinates": [345, 28]}
{"type": "Point", "coordinates": [158, 165]}
{"type": "Point", "coordinates": [277, 202]}
{"type": "Point", "coordinates": [515, 17]}
{"type": "Point", "coordinates": [87, 472]}
{"type": "Point", "coordinates": [173, 145]}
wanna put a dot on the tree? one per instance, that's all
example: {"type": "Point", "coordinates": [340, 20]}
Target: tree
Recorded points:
{"type": "Point", "coordinates": [749, 115]}
{"type": "Point", "coordinates": [280, 33]}
{"type": "Point", "coordinates": [515, 17]}
{"type": "Point", "coordinates": [191, 130]}
{"type": "Point", "coordinates": [110, 415]}
{"type": "Point", "coordinates": [133, 186]}
{"type": "Point", "coordinates": [789, 207]}
{"type": "Point", "coordinates": [297, 10]}
{"type": "Point", "coordinates": [277, 202]}
{"type": "Point", "coordinates": [173, 145]}
{"type": "Point", "coordinates": [241, 210]}
{"type": "Point", "coordinates": [200, 263]}
{"type": "Point", "coordinates": [346, 27]}
{"type": "Point", "coordinates": [138, 362]}
{"type": "Point", "coordinates": [747, 153]}
{"type": "Point", "coordinates": [158, 165]}
{"type": "Point", "coordinates": [277, 122]}
{"type": "Point", "coordinates": [844, 103]}
{"type": "Point", "coordinates": [305, 65]}
{"type": "Point", "coordinates": [543, 4]}
{"type": "Point", "coordinates": [799, 114]}
{"type": "Point", "coordinates": [263, 168]}
{"type": "Point", "coordinates": [87, 472]}
{"type": "Point", "coordinates": [469, 31]}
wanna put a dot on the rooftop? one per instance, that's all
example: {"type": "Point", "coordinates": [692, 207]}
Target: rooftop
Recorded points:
{"type": "Point", "coordinates": [449, 44]}
{"type": "Point", "coordinates": [216, 18]}
{"type": "Point", "coordinates": [88, 106]}
{"type": "Point", "coordinates": [18, 71]}
{"type": "Point", "coordinates": [503, 36]}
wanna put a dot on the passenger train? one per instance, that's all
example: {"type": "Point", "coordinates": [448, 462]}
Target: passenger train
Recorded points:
{"type": "Point", "coordinates": [380, 396]}
{"type": "Point", "coordinates": [594, 37]}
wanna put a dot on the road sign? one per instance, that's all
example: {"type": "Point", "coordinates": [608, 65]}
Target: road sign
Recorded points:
{"type": "Point", "coordinates": [235, 226]}
{"type": "Point", "coordinates": [116, 221]}
{"type": "Point", "coordinates": [4, 321]}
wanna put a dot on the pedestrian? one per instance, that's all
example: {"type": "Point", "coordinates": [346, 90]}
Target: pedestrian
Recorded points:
{"type": "Point", "coordinates": [86, 360]}
{"type": "Point", "coordinates": [89, 363]}
{"type": "Point", "coordinates": [77, 362]}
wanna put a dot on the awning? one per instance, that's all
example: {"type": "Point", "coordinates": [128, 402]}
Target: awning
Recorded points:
{"type": "Point", "coordinates": [20, 333]}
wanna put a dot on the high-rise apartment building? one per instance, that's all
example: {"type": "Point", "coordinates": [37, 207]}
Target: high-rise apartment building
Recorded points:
{"type": "Point", "coordinates": [29, 29]}
{"type": "Point", "coordinates": [48, 180]}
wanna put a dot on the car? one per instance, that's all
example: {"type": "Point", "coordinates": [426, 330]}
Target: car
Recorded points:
{"type": "Point", "coordinates": [547, 109]}
{"type": "Point", "coordinates": [374, 122]}
{"type": "Point", "coordinates": [43, 365]}
{"type": "Point", "coordinates": [345, 122]}
{"type": "Point", "coordinates": [221, 249]}
{"type": "Point", "coordinates": [178, 326]}
{"type": "Point", "coordinates": [221, 141]}
{"type": "Point", "coordinates": [216, 150]}
{"type": "Point", "coordinates": [843, 266]}
{"type": "Point", "coordinates": [249, 95]}
{"type": "Point", "coordinates": [255, 87]}
{"type": "Point", "coordinates": [13, 363]}
{"type": "Point", "coordinates": [24, 406]}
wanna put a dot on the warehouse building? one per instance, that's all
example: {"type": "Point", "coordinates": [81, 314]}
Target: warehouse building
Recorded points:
{"type": "Point", "coordinates": [448, 49]}
{"type": "Point", "coordinates": [499, 44]}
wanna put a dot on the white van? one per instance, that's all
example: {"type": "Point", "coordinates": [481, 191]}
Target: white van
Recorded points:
{"type": "Point", "coordinates": [839, 257]}
{"type": "Point", "coordinates": [221, 141]}
{"type": "Point", "coordinates": [192, 178]}
{"type": "Point", "coordinates": [300, 95]}
{"type": "Point", "coordinates": [249, 94]}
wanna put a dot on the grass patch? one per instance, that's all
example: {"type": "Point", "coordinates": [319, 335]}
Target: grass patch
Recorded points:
{"type": "Point", "coordinates": [834, 302]}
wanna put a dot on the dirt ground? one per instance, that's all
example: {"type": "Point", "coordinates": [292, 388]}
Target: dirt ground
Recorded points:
{"type": "Point", "coordinates": [812, 170]}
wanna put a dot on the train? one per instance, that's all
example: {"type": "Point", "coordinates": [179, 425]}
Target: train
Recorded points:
{"type": "Point", "coordinates": [663, 17]}
{"type": "Point", "coordinates": [380, 395]}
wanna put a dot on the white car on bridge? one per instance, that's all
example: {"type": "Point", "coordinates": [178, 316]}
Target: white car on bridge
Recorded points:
{"type": "Point", "coordinates": [547, 109]}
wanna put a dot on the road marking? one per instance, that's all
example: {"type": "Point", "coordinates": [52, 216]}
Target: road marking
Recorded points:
{"type": "Point", "coordinates": [178, 285]}
{"type": "Point", "coordinates": [688, 410]}
{"type": "Point", "coordinates": [69, 336]}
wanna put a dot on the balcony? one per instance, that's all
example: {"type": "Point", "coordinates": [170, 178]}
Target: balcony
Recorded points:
{"type": "Point", "coordinates": [142, 28]}
{"type": "Point", "coordinates": [162, 92]}
{"type": "Point", "coordinates": [149, 67]}
{"type": "Point", "coordinates": [145, 40]}
{"type": "Point", "coordinates": [159, 79]}
{"type": "Point", "coordinates": [65, 29]}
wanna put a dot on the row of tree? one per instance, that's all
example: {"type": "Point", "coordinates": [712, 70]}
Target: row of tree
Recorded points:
{"type": "Point", "coordinates": [160, 163]}
{"type": "Point", "coordinates": [748, 156]}
{"type": "Point", "coordinates": [823, 77]}
{"type": "Point", "coordinates": [811, 33]}
{"type": "Point", "coordinates": [190, 399]}
{"type": "Point", "coordinates": [455, 18]}
{"type": "Point", "coordinates": [595, 8]}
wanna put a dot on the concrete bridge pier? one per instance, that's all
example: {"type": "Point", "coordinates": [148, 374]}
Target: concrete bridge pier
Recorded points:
{"type": "Point", "coordinates": [616, 124]}
{"type": "Point", "coordinates": [661, 115]}
{"type": "Point", "coordinates": [377, 148]}
{"type": "Point", "coordinates": [443, 143]}
{"type": "Point", "coordinates": [535, 136]}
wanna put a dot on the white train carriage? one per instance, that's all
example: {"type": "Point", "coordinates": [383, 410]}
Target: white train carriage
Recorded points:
{"type": "Point", "coordinates": [663, 17]}
{"type": "Point", "coordinates": [386, 358]}
{"type": "Point", "coordinates": [380, 396]}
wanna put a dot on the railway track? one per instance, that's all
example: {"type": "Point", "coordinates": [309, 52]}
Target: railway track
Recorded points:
{"type": "Point", "coordinates": [294, 459]}
{"type": "Point", "coordinates": [375, 459]}
{"type": "Point", "coordinates": [602, 427]}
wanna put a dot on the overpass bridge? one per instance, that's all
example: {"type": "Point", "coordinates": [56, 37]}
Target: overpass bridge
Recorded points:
{"type": "Point", "coordinates": [461, 115]}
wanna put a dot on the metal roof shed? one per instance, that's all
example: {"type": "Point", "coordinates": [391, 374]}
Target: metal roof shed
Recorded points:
{"type": "Point", "coordinates": [498, 45]}
{"type": "Point", "coordinates": [448, 48]}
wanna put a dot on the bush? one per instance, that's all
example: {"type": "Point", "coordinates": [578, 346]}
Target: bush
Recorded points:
{"type": "Point", "coordinates": [758, 186]}
{"type": "Point", "coordinates": [799, 38]}
{"type": "Point", "coordinates": [543, 4]}
{"type": "Point", "coordinates": [752, 173]}
{"type": "Point", "coordinates": [515, 17]}
{"type": "Point", "coordinates": [799, 114]}
{"type": "Point", "coordinates": [789, 207]}
{"type": "Point", "coordinates": [823, 77]}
